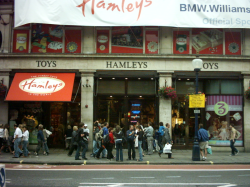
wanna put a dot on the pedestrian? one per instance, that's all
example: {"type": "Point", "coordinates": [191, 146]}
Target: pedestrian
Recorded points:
{"type": "Point", "coordinates": [166, 139]}
{"type": "Point", "coordinates": [45, 144]}
{"type": "Point", "coordinates": [131, 142]}
{"type": "Point", "coordinates": [17, 141]}
{"type": "Point", "coordinates": [160, 137]}
{"type": "Point", "coordinates": [119, 136]}
{"type": "Point", "coordinates": [86, 139]}
{"type": "Point", "coordinates": [1, 137]}
{"type": "Point", "coordinates": [8, 139]}
{"type": "Point", "coordinates": [95, 130]}
{"type": "Point", "coordinates": [105, 131]}
{"type": "Point", "coordinates": [149, 134]}
{"type": "Point", "coordinates": [68, 137]}
{"type": "Point", "coordinates": [40, 139]}
{"type": "Point", "coordinates": [144, 140]}
{"type": "Point", "coordinates": [73, 145]}
{"type": "Point", "coordinates": [203, 141]}
{"type": "Point", "coordinates": [82, 137]}
{"type": "Point", "coordinates": [140, 138]}
{"type": "Point", "coordinates": [110, 144]}
{"type": "Point", "coordinates": [25, 142]}
{"type": "Point", "coordinates": [232, 138]}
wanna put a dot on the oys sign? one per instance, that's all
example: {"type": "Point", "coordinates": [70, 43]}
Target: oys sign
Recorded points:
{"type": "Point", "coordinates": [41, 85]}
{"type": "Point", "coordinates": [2, 176]}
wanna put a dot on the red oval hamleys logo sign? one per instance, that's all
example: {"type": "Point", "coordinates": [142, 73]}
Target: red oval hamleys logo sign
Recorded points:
{"type": "Point", "coordinates": [41, 85]}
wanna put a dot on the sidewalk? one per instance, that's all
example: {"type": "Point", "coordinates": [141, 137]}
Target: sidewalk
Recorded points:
{"type": "Point", "coordinates": [59, 157]}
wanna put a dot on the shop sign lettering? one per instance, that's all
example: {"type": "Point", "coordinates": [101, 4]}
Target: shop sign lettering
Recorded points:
{"type": "Point", "coordinates": [46, 63]}
{"type": "Point", "coordinates": [111, 64]}
{"type": "Point", "coordinates": [210, 66]}
{"type": "Point", "coordinates": [41, 85]}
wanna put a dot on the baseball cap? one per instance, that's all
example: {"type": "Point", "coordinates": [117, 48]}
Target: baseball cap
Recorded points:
{"type": "Point", "coordinates": [85, 125]}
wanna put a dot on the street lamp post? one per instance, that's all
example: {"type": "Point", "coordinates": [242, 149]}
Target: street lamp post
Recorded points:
{"type": "Point", "coordinates": [197, 64]}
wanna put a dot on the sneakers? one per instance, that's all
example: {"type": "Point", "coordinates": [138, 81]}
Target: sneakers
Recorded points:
{"type": "Point", "coordinates": [231, 155]}
{"type": "Point", "coordinates": [203, 158]}
{"type": "Point", "coordinates": [237, 153]}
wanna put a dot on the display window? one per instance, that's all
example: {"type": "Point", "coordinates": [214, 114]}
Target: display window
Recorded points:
{"type": "Point", "coordinates": [207, 41]}
{"type": "Point", "coordinates": [221, 111]}
{"type": "Point", "coordinates": [46, 38]}
{"type": "Point", "coordinates": [21, 41]}
{"type": "Point", "coordinates": [102, 42]}
{"type": "Point", "coordinates": [127, 40]}
{"type": "Point", "coordinates": [233, 43]}
{"type": "Point", "coordinates": [151, 42]}
{"type": "Point", "coordinates": [73, 41]}
{"type": "Point", "coordinates": [181, 42]}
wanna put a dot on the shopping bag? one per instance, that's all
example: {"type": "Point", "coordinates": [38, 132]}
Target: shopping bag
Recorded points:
{"type": "Point", "coordinates": [209, 150]}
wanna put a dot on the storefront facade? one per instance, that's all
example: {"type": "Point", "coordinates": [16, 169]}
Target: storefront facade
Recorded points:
{"type": "Point", "coordinates": [118, 71]}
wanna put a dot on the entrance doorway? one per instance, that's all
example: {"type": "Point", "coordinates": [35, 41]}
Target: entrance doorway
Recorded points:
{"type": "Point", "coordinates": [125, 111]}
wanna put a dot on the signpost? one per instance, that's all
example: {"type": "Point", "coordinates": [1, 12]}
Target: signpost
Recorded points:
{"type": "Point", "coordinates": [2, 176]}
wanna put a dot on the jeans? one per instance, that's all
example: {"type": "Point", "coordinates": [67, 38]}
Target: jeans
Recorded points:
{"type": "Point", "coordinates": [119, 153]}
{"type": "Point", "coordinates": [16, 147]}
{"type": "Point", "coordinates": [140, 150]}
{"type": "Point", "coordinates": [81, 144]}
{"type": "Point", "coordinates": [234, 150]}
{"type": "Point", "coordinates": [150, 145]}
{"type": "Point", "coordinates": [39, 145]}
{"type": "Point", "coordinates": [94, 146]}
{"type": "Point", "coordinates": [104, 152]}
{"type": "Point", "coordinates": [160, 144]}
{"type": "Point", "coordinates": [45, 147]}
{"type": "Point", "coordinates": [131, 146]}
{"type": "Point", "coordinates": [25, 149]}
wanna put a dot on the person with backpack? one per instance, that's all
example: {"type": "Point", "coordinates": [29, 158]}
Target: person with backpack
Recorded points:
{"type": "Point", "coordinates": [104, 145]}
{"type": "Point", "coordinates": [80, 138]}
{"type": "Point", "coordinates": [160, 137]}
{"type": "Point", "coordinates": [131, 142]}
{"type": "Point", "coordinates": [73, 145]}
{"type": "Point", "coordinates": [118, 134]}
{"type": "Point", "coordinates": [203, 141]}
{"type": "Point", "coordinates": [232, 137]}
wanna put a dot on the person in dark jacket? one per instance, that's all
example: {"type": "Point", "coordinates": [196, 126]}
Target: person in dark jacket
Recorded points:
{"type": "Point", "coordinates": [73, 142]}
{"type": "Point", "coordinates": [118, 134]}
{"type": "Point", "coordinates": [40, 139]}
{"type": "Point", "coordinates": [68, 137]}
{"type": "Point", "coordinates": [131, 142]}
{"type": "Point", "coordinates": [203, 141]}
{"type": "Point", "coordinates": [140, 138]}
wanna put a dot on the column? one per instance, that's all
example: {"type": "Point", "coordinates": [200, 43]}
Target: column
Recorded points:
{"type": "Point", "coordinates": [246, 84]}
{"type": "Point", "coordinates": [4, 105]}
{"type": "Point", "coordinates": [87, 102]}
{"type": "Point", "coordinates": [165, 105]}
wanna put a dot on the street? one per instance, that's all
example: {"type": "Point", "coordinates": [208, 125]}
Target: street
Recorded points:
{"type": "Point", "coordinates": [117, 175]}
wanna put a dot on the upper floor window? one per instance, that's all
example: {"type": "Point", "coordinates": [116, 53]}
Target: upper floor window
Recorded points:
{"type": "Point", "coordinates": [207, 41]}
{"type": "Point", "coordinates": [44, 38]}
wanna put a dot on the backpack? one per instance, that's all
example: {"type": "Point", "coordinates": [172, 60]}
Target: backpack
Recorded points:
{"type": "Point", "coordinates": [106, 139]}
{"type": "Point", "coordinates": [237, 134]}
{"type": "Point", "coordinates": [77, 136]}
{"type": "Point", "coordinates": [98, 135]}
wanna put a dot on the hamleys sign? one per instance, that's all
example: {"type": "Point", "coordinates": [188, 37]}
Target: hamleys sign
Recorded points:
{"type": "Point", "coordinates": [41, 87]}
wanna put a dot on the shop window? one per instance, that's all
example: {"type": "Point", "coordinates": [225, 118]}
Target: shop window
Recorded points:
{"type": "Point", "coordinates": [73, 41]}
{"type": "Point", "coordinates": [46, 38]}
{"type": "Point", "coordinates": [181, 42]}
{"type": "Point", "coordinates": [111, 87]}
{"type": "Point", "coordinates": [138, 87]}
{"type": "Point", "coordinates": [151, 42]}
{"type": "Point", "coordinates": [221, 111]}
{"type": "Point", "coordinates": [21, 41]}
{"type": "Point", "coordinates": [213, 87]}
{"type": "Point", "coordinates": [233, 43]}
{"type": "Point", "coordinates": [231, 87]}
{"type": "Point", "coordinates": [207, 41]}
{"type": "Point", "coordinates": [102, 42]}
{"type": "Point", "coordinates": [127, 40]}
{"type": "Point", "coordinates": [187, 87]}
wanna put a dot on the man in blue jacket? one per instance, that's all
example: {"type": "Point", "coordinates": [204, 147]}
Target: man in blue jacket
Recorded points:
{"type": "Point", "coordinates": [203, 141]}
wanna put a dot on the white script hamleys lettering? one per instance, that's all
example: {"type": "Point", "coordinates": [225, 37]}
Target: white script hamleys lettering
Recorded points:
{"type": "Point", "coordinates": [41, 85]}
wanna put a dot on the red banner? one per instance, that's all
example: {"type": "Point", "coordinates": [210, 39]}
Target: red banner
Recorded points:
{"type": "Point", "coordinates": [41, 87]}
{"type": "Point", "coordinates": [73, 41]}
{"type": "Point", "coordinates": [102, 42]}
{"type": "Point", "coordinates": [151, 42]}
{"type": "Point", "coordinates": [181, 42]}
{"type": "Point", "coordinates": [233, 43]}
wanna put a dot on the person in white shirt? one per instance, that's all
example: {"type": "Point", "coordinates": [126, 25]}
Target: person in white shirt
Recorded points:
{"type": "Point", "coordinates": [17, 141]}
{"type": "Point", "coordinates": [85, 129]}
{"type": "Point", "coordinates": [25, 142]}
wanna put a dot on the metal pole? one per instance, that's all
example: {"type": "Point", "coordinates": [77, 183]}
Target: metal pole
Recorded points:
{"type": "Point", "coordinates": [196, 148]}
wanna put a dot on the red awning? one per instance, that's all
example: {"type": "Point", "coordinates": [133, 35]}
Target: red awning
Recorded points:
{"type": "Point", "coordinates": [41, 87]}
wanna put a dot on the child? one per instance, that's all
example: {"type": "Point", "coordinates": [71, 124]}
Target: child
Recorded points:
{"type": "Point", "coordinates": [167, 149]}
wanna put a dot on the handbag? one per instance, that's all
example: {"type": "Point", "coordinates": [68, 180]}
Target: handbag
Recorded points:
{"type": "Point", "coordinates": [209, 150]}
